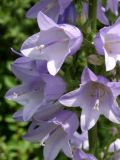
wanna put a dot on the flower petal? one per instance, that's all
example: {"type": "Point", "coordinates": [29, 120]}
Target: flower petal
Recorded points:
{"type": "Point", "coordinates": [110, 62]}
{"type": "Point", "coordinates": [29, 95]}
{"type": "Point", "coordinates": [39, 132]}
{"type": "Point", "coordinates": [47, 111]}
{"type": "Point", "coordinates": [113, 6]}
{"type": "Point", "coordinates": [18, 116]}
{"type": "Point", "coordinates": [115, 146]}
{"type": "Point", "coordinates": [88, 118]}
{"type": "Point", "coordinates": [54, 144]}
{"type": "Point", "coordinates": [111, 114]}
{"type": "Point", "coordinates": [67, 148]}
{"type": "Point", "coordinates": [88, 75]}
{"type": "Point", "coordinates": [99, 44]}
{"type": "Point", "coordinates": [45, 22]}
{"type": "Point", "coordinates": [52, 83]}
{"type": "Point", "coordinates": [25, 69]}
{"type": "Point", "coordinates": [49, 8]}
{"type": "Point", "coordinates": [115, 87]}
{"type": "Point", "coordinates": [67, 120]}
{"type": "Point", "coordinates": [55, 61]}
{"type": "Point", "coordinates": [71, 99]}
{"type": "Point", "coordinates": [101, 14]}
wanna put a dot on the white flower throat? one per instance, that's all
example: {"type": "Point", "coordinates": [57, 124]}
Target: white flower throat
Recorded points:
{"type": "Point", "coordinates": [98, 92]}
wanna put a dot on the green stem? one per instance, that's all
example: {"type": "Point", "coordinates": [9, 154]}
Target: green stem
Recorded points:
{"type": "Point", "coordinates": [93, 138]}
{"type": "Point", "coordinates": [93, 14]}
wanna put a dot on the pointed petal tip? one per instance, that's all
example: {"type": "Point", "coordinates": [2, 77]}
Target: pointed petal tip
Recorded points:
{"type": "Point", "coordinates": [45, 22]}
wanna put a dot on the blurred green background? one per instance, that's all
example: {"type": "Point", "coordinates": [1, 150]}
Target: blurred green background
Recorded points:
{"type": "Point", "coordinates": [14, 29]}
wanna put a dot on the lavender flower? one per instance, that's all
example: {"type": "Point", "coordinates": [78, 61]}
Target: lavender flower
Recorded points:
{"type": "Point", "coordinates": [100, 13]}
{"type": "Point", "coordinates": [95, 96]}
{"type": "Point", "coordinates": [107, 43]}
{"type": "Point", "coordinates": [38, 88]}
{"type": "Point", "coordinates": [113, 6]}
{"type": "Point", "coordinates": [80, 155]}
{"type": "Point", "coordinates": [115, 146]}
{"type": "Point", "coordinates": [54, 134]}
{"type": "Point", "coordinates": [80, 141]}
{"type": "Point", "coordinates": [54, 43]}
{"type": "Point", "coordinates": [116, 156]}
{"type": "Point", "coordinates": [59, 10]}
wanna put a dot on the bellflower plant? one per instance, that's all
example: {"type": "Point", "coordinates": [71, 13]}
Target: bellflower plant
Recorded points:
{"type": "Point", "coordinates": [95, 96]}
{"type": "Point", "coordinates": [47, 85]}
{"type": "Point", "coordinates": [54, 43]}
{"type": "Point", "coordinates": [107, 43]}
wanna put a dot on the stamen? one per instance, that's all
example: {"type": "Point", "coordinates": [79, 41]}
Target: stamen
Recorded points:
{"type": "Point", "coordinates": [98, 92]}
{"type": "Point", "coordinates": [40, 47]}
{"type": "Point", "coordinates": [15, 95]}
{"type": "Point", "coordinates": [97, 104]}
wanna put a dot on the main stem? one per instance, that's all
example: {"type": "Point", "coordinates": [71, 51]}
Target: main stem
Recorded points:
{"type": "Point", "coordinates": [92, 134]}
{"type": "Point", "coordinates": [93, 14]}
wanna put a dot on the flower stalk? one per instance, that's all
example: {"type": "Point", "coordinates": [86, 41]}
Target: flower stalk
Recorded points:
{"type": "Point", "coordinates": [93, 15]}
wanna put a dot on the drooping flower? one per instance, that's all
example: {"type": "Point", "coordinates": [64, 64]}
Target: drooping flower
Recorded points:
{"type": "Point", "coordinates": [44, 112]}
{"type": "Point", "coordinates": [116, 156]}
{"type": "Point", "coordinates": [95, 96]}
{"type": "Point", "coordinates": [100, 13]}
{"type": "Point", "coordinates": [115, 146]}
{"type": "Point", "coordinates": [54, 43]}
{"type": "Point", "coordinates": [84, 12]}
{"type": "Point", "coordinates": [107, 43]}
{"type": "Point", "coordinates": [80, 141]}
{"type": "Point", "coordinates": [54, 134]}
{"type": "Point", "coordinates": [55, 9]}
{"type": "Point", "coordinates": [38, 89]}
{"type": "Point", "coordinates": [80, 155]}
{"type": "Point", "coordinates": [113, 6]}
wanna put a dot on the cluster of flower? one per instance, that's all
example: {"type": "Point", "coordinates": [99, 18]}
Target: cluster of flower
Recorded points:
{"type": "Point", "coordinates": [41, 91]}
